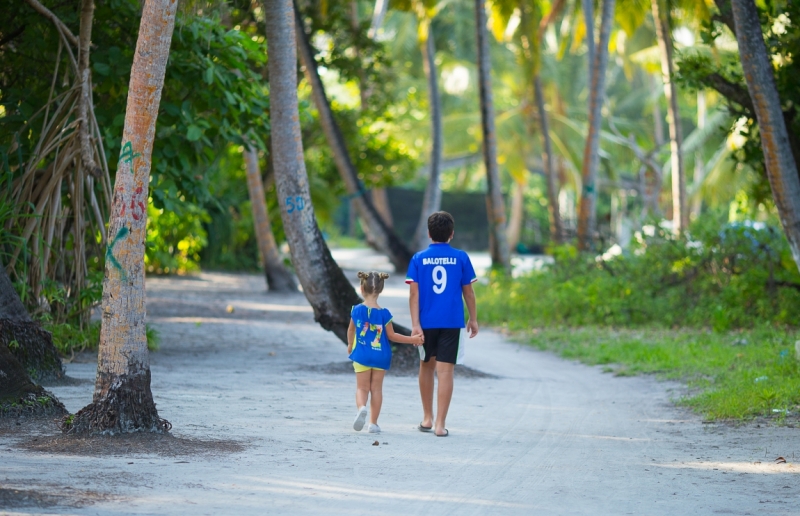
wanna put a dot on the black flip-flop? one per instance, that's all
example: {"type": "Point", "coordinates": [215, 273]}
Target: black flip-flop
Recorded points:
{"type": "Point", "coordinates": [445, 434]}
{"type": "Point", "coordinates": [424, 428]}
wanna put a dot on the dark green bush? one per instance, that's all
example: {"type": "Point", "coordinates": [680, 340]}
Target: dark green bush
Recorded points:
{"type": "Point", "coordinates": [739, 276]}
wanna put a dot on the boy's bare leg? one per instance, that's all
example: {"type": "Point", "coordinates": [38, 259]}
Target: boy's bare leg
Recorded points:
{"type": "Point", "coordinates": [426, 370]}
{"type": "Point", "coordinates": [363, 380]}
{"type": "Point", "coordinates": [444, 394]}
{"type": "Point", "coordinates": [376, 395]}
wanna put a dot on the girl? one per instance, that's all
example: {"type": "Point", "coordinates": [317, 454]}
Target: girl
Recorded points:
{"type": "Point", "coordinates": [369, 334]}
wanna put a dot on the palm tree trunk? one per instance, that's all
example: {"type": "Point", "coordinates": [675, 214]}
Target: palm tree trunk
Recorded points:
{"type": "Point", "coordinates": [324, 284]}
{"type": "Point", "coordinates": [514, 229]}
{"type": "Point", "coordinates": [378, 14]}
{"type": "Point", "coordinates": [780, 163]}
{"type": "Point", "coordinates": [85, 41]}
{"type": "Point", "coordinates": [699, 166]}
{"type": "Point", "coordinates": [556, 227]}
{"type": "Point", "coordinates": [378, 233]}
{"type": "Point", "coordinates": [587, 217]}
{"type": "Point", "coordinates": [122, 400]}
{"type": "Point", "coordinates": [496, 210]}
{"type": "Point", "coordinates": [31, 346]}
{"type": "Point", "coordinates": [432, 199]}
{"type": "Point", "coordinates": [279, 279]}
{"type": "Point", "coordinates": [680, 213]}
{"type": "Point", "coordinates": [588, 20]}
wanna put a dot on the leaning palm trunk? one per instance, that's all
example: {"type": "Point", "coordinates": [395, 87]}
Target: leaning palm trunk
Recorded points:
{"type": "Point", "coordinates": [496, 210]}
{"type": "Point", "coordinates": [324, 284]}
{"type": "Point", "coordinates": [279, 279]}
{"type": "Point", "coordinates": [378, 233]}
{"type": "Point", "coordinates": [432, 198]}
{"type": "Point", "coordinates": [556, 226]}
{"type": "Point", "coordinates": [587, 216]}
{"type": "Point", "coordinates": [122, 400]}
{"type": "Point", "coordinates": [61, 193]}
{"type": "Point", "coordinates": [780, 163]}
{"type": "Point", "coordinates": [680, 214]}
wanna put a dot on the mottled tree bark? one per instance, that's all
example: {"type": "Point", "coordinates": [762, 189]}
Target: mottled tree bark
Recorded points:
{"type": "Point", "coordinates": [122, 400]}
{"type": "Point", "coordinates": [680, 213]}
{"type": "Point", "coordinates": [84, 106]}
{"type": "Point", "coordinates": [587, 215]}
{"type": "Point", "coordinates": [378, 233]}
{"type": "Point", "coordinates": [779, 160]}
{"type": "Point", "coordinates": [432, 198]}
{"type": "Point", "coordinates": [279, 279]}
{"type": "Point", "coordinates": [498, 245]}
{"type": "Point", "coordinates": [324, 284]}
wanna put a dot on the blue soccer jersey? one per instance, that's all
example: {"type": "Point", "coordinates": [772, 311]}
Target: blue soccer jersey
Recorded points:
{"type": "Point", "coordinates": [441, 271]}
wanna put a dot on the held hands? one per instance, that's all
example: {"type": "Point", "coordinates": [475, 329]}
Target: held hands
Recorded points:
{"type": "Point", "coordinates": [416, 333]}
{"type": "Point", "coordinates": [472, 328]}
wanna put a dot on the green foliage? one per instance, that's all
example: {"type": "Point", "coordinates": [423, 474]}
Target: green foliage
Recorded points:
{"type": "Point", "coordinates": [739, 276]}
{"type": "Point", "coordinates": [174, 240]}
{"type": "Point", "coordinates": [731, 375]}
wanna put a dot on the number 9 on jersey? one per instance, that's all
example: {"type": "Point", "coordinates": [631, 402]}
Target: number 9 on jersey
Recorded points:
{"type": "Point", "coordinates": [439, 279]}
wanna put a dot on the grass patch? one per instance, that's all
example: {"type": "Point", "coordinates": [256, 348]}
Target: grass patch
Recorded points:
{"type": "Point", "coordinates": [732, 375]}
{"type": "Point", "coordinates": [69, 338]}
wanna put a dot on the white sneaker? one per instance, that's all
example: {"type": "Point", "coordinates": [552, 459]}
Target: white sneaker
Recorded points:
{"type": "Point", "coordinates": [374, 429]}
{"type": "Point", "coordinates": [361, 417]}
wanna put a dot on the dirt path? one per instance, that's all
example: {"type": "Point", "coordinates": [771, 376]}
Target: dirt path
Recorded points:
{"type": "Point", "coordinates": [259, 430]}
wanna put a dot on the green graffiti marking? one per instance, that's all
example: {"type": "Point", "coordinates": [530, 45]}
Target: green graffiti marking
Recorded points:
{"type": "Point", "coordinates": [110, 258]}
{"type": "Point", "coordinates": [127, 155]}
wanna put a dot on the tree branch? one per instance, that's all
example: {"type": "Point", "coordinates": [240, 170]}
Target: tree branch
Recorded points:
{"type": "Point", "coordinates": [725, 14]}
{"type": "Point", "coordinates": [12, 35]}
{"type": "Point", "coordinates": [731, 91]}
{"type": "Point", "coordinates": [47, 13]}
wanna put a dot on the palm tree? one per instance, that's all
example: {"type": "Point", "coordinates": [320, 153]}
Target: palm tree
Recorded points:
{"type": "Point", "coordinates": [780, 163]}
{"type": "Point", "coordinates": [279, 279]}
{"type": "Point", "coordinates": [680, 213]}
{"type": "Point", "coordinates": [432, 198]}
{"type": "Point", "coordinates": [324, 284]}
{"type": "Point", "coordinates": [378, 233]}
{"type": "Point", "coordinates": [122, 400]}
{"type": "Point", "coordinates": [587, 216]}
{"type": "Point", "coordinates": [496, 210]}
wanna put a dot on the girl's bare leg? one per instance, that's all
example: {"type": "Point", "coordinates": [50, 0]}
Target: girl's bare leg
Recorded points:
{"type": "Point", "coordinates": [376, 398]}
{"type": "Point", "coordinates": [363, 381]}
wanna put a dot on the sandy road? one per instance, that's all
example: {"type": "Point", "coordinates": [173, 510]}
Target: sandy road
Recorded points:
{"type": "Point", "coordinates": [546, 437]}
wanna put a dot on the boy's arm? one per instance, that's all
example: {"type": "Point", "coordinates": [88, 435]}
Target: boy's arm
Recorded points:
{"type": "Point", "coordinates": [351, 336]}
{"type": "Point", "coordinates": [402, 339]}
{"type": "Point", "coordinates": [472, 309]}
{"type": "Point", "coordinates": [413, 305]}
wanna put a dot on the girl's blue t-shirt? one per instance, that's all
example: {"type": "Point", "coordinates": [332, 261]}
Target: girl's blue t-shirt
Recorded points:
{"type": "Point", "coordinates": [372, 348]}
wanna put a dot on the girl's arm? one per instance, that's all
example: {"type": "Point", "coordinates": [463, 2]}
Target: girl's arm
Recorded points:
{"type": "Point", "coordinates": [351, 336]}
{"type": "Point", "coordinates": [402, 339]}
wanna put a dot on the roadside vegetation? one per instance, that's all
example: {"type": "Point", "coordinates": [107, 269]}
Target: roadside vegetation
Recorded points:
{"type": "Point", "coordinates": [716, 308]}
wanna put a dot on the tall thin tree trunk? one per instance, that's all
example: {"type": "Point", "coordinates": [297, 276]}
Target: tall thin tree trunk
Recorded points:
{"type": "Point", "coordinates": [680, 213]}
{"type": "Point", "coordinates": [587, 217]}
{"type": "Point", "coordinates": [324, 284]}
{"type": "Point", "coordinates": [699, 165]}
{"type": "Point", "coordinates": [122, 400]}
{"type": "Point", "coordinates": [84, 106]}
{"type": "Point", "coordinates": [378, 233]}
{"type": "Point", "coordinates": [653, 199]}
{"type": "Point", "coordinates": [780, 163]}
{"type": "Point", "coordinates": [556, 227]}
{"type": "Point", "coordinates": [432, 199]}
{"type": "Point", "coordinates": [514, 229]}
{"type": "Point", "coordinates": [498, 246]}
{"type": "Point", "coordinates": [380, 198]}
{"type": "Point", "coordinates": [378, 14]}
{"type": "Point", "coordinates": [279, 279]}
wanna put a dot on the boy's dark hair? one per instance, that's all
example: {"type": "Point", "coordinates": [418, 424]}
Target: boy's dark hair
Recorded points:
{"type": "Point", "coordinates": [372, 282]}
{"type": "Point", "coordinates": [440, 226]}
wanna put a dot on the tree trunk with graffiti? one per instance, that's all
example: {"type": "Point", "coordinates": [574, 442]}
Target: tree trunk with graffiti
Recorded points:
{"type": "Point", "coordinates": [123, 401]}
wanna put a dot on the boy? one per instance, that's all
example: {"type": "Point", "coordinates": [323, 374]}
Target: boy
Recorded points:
{"type": "Point", "coordinates": [439, 276]}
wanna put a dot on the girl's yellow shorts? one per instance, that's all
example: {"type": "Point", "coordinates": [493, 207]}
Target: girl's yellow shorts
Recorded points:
{"type": "Point", "coordinates": [361, 368]}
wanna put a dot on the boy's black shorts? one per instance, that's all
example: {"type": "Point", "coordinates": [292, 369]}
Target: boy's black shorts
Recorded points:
{"type": "Point", "coordinates": [441, 343]}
